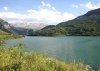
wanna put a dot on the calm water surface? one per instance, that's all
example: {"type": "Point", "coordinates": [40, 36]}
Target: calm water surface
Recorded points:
{"type": "Point", "coordinates": [80, 48]}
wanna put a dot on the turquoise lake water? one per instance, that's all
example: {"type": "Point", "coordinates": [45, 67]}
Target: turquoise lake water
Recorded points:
{"type": "Point", "coordinates": [69, 48]}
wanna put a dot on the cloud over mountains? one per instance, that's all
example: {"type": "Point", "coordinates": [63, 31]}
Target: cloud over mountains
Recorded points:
{"type": "Point", "coordinates": [45, 13]}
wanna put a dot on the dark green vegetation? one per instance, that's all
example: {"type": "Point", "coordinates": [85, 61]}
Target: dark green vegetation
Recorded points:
{"type": "Point", "coordinates": [88, 24]}
{"type": "Point", "coordinates": [54, 31]}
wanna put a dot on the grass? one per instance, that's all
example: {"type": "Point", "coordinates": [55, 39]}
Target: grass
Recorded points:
{"type": "Point", "coordinates": [6, 36]}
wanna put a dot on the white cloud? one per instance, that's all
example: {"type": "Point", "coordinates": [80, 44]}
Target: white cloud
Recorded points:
{"type": "Point", "coordinates": [75, 6]}
{"type": "Point", "coordinates": [89, 6]}
{"type": "Point", "coordinates": [42, 2]}
{"type": "Point", "coordinates": [45, 14]}
{"type": "Point", "coordinates": [44, 5]}
{"type": "Point", "coordinates": [5, 8]}
{"type": "Point", "coordinates": [50, 16]}
{"type": "Point", "coordinates": [67, 16]}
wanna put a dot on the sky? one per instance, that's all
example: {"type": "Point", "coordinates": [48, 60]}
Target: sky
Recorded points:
{"type": "Point", "coordinates": [49, 12]}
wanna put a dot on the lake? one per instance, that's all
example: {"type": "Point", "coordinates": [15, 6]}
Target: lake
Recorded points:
{"type": "Point", "coordinates": [69, 48]}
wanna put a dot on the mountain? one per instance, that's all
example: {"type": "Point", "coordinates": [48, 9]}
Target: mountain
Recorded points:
{"type": "Point", "coordinates": [5, 26]}
{"type": "Point", "coordinates": [20, 28]}
{"type": "Point", "coordinates": [49, 26]}
{"type": "Point", "coordinates": [34, 26]}
{"type": "Point", "coordinates": [93, 12]}
{"type": "Point", "coordinates": [27, 28]}
{"type": "Point", "coordinates": [87, 25]}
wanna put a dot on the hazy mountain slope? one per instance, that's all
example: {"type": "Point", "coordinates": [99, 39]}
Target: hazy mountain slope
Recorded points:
{"type": "Point", "coordinates": [4, 26]}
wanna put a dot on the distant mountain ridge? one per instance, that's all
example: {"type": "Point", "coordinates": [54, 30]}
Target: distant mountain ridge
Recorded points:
{"type": "Point", "coordinates": [34, 26]}
{"type": "Point", "coordinates": [22, 29]}
{"type": "Point", "coordinates": [87, 25]}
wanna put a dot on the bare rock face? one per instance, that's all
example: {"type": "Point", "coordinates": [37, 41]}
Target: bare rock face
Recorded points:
{"type": "Point", "coordinates": [7, 26]}
{"type": "Point", "coordinates": [4, 26]}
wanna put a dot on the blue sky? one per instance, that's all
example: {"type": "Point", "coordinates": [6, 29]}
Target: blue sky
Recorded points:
{"type": "Point", "coordinates": [44, 11]}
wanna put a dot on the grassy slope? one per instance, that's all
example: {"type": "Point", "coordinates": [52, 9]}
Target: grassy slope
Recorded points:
{"type": "Point", "coordinates": [5, 36]}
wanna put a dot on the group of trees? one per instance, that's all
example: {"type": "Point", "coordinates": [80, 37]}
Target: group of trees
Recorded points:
{"type": "Point", "coordinates": [55, 31]}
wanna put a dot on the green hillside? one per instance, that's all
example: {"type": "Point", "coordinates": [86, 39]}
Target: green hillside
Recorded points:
{"type": "Point", "coordinates": [85, 25]}
{"type": "Point", "coordinates": [2, 32]}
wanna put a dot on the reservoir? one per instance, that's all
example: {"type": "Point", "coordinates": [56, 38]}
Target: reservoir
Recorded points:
{"type": "Point", "coordinates": [80, 48]}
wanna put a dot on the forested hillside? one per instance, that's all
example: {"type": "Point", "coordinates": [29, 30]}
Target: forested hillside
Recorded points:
{"type": "Point", "coordinates": [87, 24]}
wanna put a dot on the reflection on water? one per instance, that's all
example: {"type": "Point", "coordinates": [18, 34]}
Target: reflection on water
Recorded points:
{"type": "Point", "coordinates": [67, 48]}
